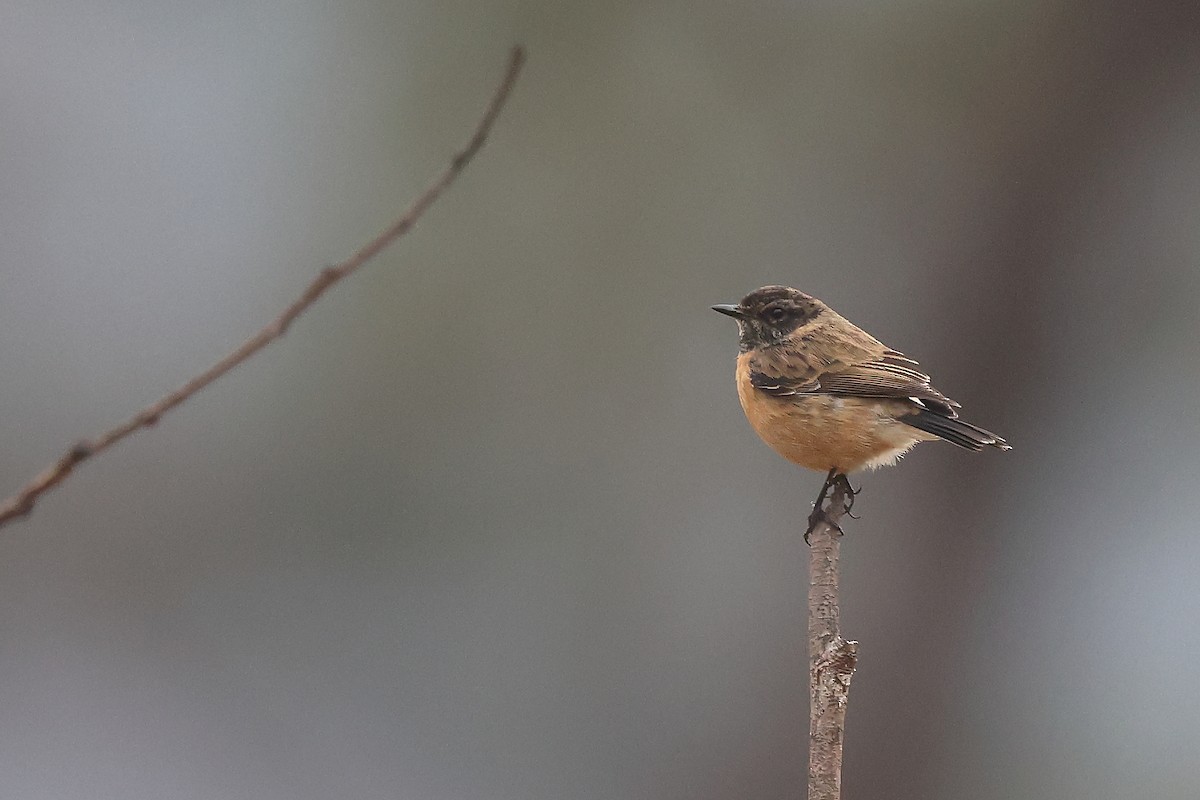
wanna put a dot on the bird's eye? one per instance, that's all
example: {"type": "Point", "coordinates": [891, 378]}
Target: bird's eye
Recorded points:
{"type": "Point", "coordinates": [776, 314]}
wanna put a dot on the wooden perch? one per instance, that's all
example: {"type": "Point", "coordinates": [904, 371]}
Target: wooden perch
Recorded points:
{"type": "Point", "coordinates": [831, 658]}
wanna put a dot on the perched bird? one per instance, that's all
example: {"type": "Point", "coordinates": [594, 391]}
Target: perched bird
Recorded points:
{"type": "Point", "coordinates": [826, 395]}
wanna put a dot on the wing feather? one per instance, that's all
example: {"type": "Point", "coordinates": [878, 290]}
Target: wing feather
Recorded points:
{"type": "Point", "coordinates": [886, 374]}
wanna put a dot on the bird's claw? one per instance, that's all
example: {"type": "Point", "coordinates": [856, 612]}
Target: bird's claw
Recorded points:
{"type": "Point", "coordinates": [819, 514]}
{"type": "Point", "coordinates": [849, 493]}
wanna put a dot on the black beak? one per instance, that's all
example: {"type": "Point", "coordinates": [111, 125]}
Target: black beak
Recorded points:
{"type": "Point", "coordinates": [728, 310]}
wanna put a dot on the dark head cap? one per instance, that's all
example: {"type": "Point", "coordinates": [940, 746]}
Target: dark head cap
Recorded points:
{"type": "Point", "coordinates": [767, 315]}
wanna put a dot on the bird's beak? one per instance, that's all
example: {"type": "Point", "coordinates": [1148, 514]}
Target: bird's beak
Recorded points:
{"type": "Point", "coordinates": [728, 310]}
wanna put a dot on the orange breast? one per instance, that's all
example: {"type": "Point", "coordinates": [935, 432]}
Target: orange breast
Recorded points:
{"type": "Point", "coordinates": [823, 432]}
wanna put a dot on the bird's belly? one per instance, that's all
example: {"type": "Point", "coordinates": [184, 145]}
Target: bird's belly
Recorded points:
{"type": "Point", "coordinates": [823, 432]}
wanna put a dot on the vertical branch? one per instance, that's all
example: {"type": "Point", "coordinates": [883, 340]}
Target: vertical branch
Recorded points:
{"type": "Point", "coordinates": [832, 658]}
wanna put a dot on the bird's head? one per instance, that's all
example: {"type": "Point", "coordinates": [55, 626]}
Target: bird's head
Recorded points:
{"type": "Point", "coordinates": [766, 316]}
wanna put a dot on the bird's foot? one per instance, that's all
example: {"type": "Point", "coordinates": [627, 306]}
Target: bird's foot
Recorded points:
{"type": "Point", "coordinates": [820, 514]}
{"type": "Point", "coordinates": [848, 495]}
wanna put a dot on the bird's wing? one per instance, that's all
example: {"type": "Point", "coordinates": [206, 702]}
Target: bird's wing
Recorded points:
{"type": "Point", "coordinates": [887, 373]}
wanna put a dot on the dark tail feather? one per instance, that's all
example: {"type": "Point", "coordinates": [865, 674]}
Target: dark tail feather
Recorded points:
{"type": "Point", "coordinates": [954, 431]}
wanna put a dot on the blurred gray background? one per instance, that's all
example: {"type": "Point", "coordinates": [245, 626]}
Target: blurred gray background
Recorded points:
{"type": "Point", "coordinates": [488, 523]}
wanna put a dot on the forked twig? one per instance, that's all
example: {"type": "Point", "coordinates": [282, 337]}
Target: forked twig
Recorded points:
{"type": "Point", "coordinates": [21, 503]}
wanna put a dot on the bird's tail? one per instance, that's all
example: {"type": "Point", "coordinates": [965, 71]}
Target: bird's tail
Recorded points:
{"type": "Point", "coordinates": [955, 431]}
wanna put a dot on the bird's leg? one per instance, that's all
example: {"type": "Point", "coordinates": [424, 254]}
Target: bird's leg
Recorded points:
{"type": "Point", "coordinates": [818, 513]}
{"type": "Point", "coordinates": [848, 494]}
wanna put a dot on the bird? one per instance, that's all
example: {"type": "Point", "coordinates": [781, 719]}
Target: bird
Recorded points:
{"type": "Point", "coordinates": [826, 395]}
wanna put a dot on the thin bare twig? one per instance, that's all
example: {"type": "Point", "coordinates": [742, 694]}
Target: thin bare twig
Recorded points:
{"type": "Point", "coordinates": [832, 658]}
{"type": "Point", "coordinates": [23, 501]}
